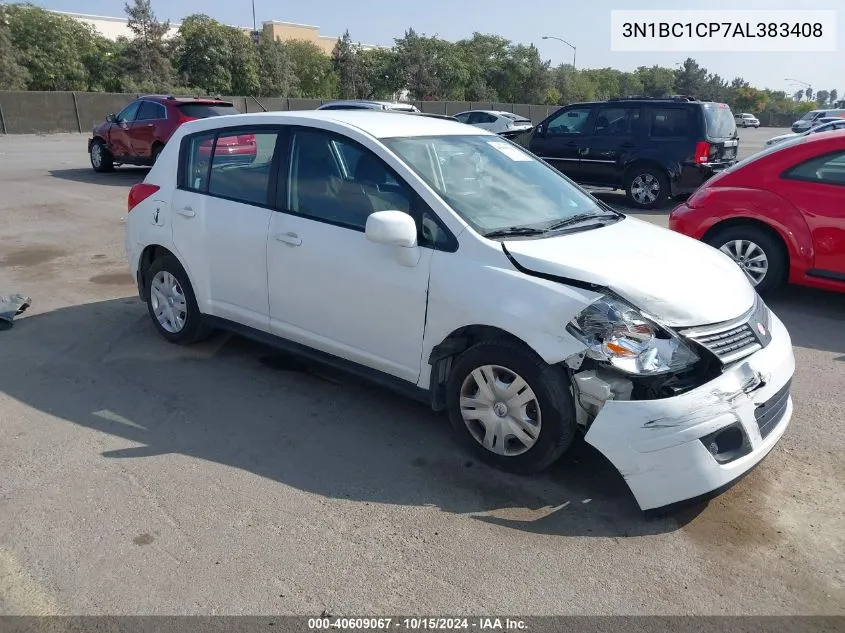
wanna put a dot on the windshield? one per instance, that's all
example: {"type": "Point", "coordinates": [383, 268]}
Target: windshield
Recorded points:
{"type": "Point", "coordinates": [205, 110]}
{"type": "Point", "coordinates": [720, 121]}
{"type": "Point", "coordinates": [493, 184]}
{"type": "Point", "coordinates": [810, 115]}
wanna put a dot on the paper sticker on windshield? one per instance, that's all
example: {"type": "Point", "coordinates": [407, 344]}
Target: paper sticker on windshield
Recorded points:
{"type": "Point", "coordinates": [514, 153]}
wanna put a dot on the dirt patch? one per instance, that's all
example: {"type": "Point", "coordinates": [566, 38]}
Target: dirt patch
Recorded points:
{"type": "Point", "coordinates": [30, 256]}
{"type": "Point", "coordinates": [112, 279]}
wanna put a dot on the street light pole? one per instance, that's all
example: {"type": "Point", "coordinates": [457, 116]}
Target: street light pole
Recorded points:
{"type": "Point", "coordinates": [574, 50]}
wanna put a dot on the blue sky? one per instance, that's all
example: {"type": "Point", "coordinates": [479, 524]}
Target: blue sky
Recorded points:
{"type": "Point", "coordinates": [583, 23]}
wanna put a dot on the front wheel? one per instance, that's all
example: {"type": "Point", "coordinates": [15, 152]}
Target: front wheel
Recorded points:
{"type": "Point", "coordinates": [647, 187]}
{"type": "Point", "coordinates": [757, 254]}
{"type": "Point", "coordinates": [101, 158]}
{"type": "Point", "coordinates": [509, 407]}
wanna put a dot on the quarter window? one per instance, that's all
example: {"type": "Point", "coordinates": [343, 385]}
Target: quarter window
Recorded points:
{"type": "Point", "coordinates": [340, 182]}
{"type": "Point", "coordinates": [197, 160]}
{"type": "Point", "coordinates": [670, 123]}
{"type": "Point", "coordinates": [828, 169]}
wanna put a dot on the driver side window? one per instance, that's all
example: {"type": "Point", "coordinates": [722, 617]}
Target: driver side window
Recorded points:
{"type": "Point", "coordinates": [128, 114]}
{"type": "Point", "coordinates": [568, 122]}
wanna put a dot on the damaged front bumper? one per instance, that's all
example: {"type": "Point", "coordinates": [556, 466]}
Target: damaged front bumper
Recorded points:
{"type": "Point", "coordinates": [679, 448]}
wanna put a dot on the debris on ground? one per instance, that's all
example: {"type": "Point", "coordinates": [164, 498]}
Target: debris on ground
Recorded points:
{"type": "Point", "coordinates": [10, 307]}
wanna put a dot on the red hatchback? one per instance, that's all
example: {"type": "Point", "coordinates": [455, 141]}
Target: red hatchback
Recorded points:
{"type": "Point", "coordinates": [780, 214]}
{"type": "Point", "coordinates": [137, 134]}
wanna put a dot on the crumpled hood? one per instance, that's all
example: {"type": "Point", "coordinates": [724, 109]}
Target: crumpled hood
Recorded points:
{"type": "Point", "coordinates": [672, 277]}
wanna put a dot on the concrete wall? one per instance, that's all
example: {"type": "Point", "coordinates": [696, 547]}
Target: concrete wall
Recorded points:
{"type": "Point", "coordinates": [48, 112]}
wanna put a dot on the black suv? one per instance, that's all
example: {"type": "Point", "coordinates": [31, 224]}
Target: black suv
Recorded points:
{"type": "Point", "coordinates": [651, 148]}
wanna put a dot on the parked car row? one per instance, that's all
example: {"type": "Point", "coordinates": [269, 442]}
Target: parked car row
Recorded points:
{"type": "Point", "coordinates": [823, 124]}
{"type": "Point", "coordinates": [455, 266]}
{"type": "Point", "coordinates": [811, 119]}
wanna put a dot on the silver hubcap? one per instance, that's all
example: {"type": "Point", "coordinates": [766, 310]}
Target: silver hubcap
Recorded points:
{"type": "Point", "coordinates": [96, 155]}
{"type": "Point", "coordinates": [645, 188]}
{"type": "Point", "coordinates": [750, 258]}
{"type": "Point", "coordinates": [500, 410]}
{"type": "Point", "coordinates": [168, 301]}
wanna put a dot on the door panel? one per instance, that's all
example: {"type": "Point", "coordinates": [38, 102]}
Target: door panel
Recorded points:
{"type": "Point", "coordinates": [142, 132]}
{"type": "Point", "coordinates": [119, 139]}
{"type": "Point", "coordinates": [561, 140]}
{"type": "Point", "coordinates": [330, 287]}
{"type": "Point", "coordinates": [817, 189]}
{"type": "Point", "coordinates": [607, 148]}
{"type": "Point", "coordinates": [220, 229]}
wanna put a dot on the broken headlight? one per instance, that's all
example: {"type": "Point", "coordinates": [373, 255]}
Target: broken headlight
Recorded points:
{"type": "Point", "coordinates": [618, 334]}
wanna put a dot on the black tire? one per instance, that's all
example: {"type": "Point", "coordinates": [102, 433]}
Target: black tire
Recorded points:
{"type": "Point", "coordinates": [658, 175]}
{"type": "Point", "coordinates": [551, 388]}
{"type": "Point", "coordinates": [774, 251]}
{"type": "Point", "coordinates": [194, 329]}
{"type": "Point", "coordinates": [106, 162]}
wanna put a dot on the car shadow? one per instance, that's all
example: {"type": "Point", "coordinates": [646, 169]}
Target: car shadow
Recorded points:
{"type": "Point", "coordinates": [813, 317]}
{"type": "Point", "coordinates": [618, 200]}
{"type": "Point", "coordinates": [120, 177]}
{"type": "Point", "coordinates": [228, 400]}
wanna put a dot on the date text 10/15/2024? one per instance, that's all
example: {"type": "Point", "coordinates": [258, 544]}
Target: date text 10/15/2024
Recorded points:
{"type": "Point", "coordinates": [416, 624]}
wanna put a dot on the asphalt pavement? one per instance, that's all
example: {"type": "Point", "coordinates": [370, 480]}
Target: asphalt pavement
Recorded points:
{"type": "Point", "coordinates": [139, 477]}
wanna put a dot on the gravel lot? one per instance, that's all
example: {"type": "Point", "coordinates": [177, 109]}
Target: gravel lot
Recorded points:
{"type": "Point", "coordinates": [142, 478]}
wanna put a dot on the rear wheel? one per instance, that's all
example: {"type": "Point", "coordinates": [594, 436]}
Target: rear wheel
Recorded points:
{"type": "Point", "coordinates": [756, 252]}
{"type": "Point", "coordinates": [101, 158]}
{"type": "Point", "coordinates": [509, 407]}
{"type": "Point", "coordinates": [172, 304]}
{"type": "Point", "coordinates": [647, 187]}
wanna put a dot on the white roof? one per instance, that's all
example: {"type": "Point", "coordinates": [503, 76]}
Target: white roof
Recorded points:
{"type": "Point", "coordinates": [376, 123]}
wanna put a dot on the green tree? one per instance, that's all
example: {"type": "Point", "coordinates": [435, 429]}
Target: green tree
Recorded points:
{"type": "Point", "coordinates": [691, 79]}
{"type": "Point", "coordinates": [485, 58]}
{"type": "Point", "coordinates": [13, 75]}
{"type": "Point", "coordinates": [552, 97]}
{"type": "Point", "coordinates": [203, 54]}
{"type": "Point", "coordinates": [747, 99]}
{"type": "Point", "coordinates": [145, 55]}
{"type": "Point", "coordinates": [243, 62]}
{"type": "Point", "coordinates": [315, 77]}
{"type": "Point", "coordinates": [382, 70]}
{"type": "Point", "coordinates": [53, 48]}
{"type": "Point", "coordinates": [527, 77]}
{"type": "Point", "coordinates": [834, 97]}
{"type": "Point", "coordinates": [347, 63]}
{"type": "Point", "coordinates": [809, 94]}
{"type": "Point", "coordinates": [798, 95]}
{"type": "Point", "coordinates": [275, 70]}
{"type": "Point", "coordinates": [656, 80]}
{"type": "Point", "coordinates": [822, 97]}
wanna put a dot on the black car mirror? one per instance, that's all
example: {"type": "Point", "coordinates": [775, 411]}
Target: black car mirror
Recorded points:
{"type": "Point", "coordinates": [111, 118]}
{"type": "Point", "coordinates": [540, 130]}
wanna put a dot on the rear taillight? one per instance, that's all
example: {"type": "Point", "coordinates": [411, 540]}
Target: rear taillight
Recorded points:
{"type": "Point", "coordinates": [140, 192]}
{"type": "Point", "coordinates": [702, 152]}
{"type": "Point", "coordinates": [246, 139]}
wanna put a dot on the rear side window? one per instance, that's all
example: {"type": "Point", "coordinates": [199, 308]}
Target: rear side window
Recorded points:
{"type": "Point", "coordinates": [616, 121]}
{"type": "Point", "coordinates": [828, 169]}
{"type": "Point", "coordinates": [151, 111]}
{"type": "Point", "coordinates": [205, 110]}
{"type": "Point", "coordinates": [670, 122]}
{"type": "Point", "coordinates": [719, 120]}
{"type": "Point", "coordinates": [230, 164]}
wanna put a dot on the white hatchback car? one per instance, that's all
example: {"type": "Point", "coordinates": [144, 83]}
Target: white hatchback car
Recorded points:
{"type": "Point", "coordinates": [452, 265]}
{"type": "Point", "coordinates": [506, 123]}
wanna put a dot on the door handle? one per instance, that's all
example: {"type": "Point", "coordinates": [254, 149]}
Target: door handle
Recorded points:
{"type": "Point", "coordinates": [188, 212]}
{"type": "Point", "coordinates": [150, 125]}
{"type": "Point", "coordinates": [289, 238]}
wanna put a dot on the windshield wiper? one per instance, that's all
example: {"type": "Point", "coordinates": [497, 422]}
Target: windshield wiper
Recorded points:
{"type": "Point", "coordinates": [514, 231]}
{"type": "Point", "coordinates": [581, 217]}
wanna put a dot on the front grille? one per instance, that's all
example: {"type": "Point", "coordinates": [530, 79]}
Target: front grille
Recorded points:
{"type": "Point", "coordinates": [735, 339]}
{"type": "Point", "coordinates": [771, 412]}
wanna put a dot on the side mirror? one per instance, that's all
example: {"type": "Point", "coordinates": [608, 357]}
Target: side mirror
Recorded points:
{"type": "Point", "coordinates": [540, 130]}
{"type": "Point", "coordinates": [397, 229]}
{"type": "Point", "coordinates": [111, 118]}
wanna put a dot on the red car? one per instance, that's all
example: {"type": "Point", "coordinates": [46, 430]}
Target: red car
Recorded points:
{"type": "Point", "coordinates": [137, 134]}
{"type": "Point", "coordinates": [780, 214]}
